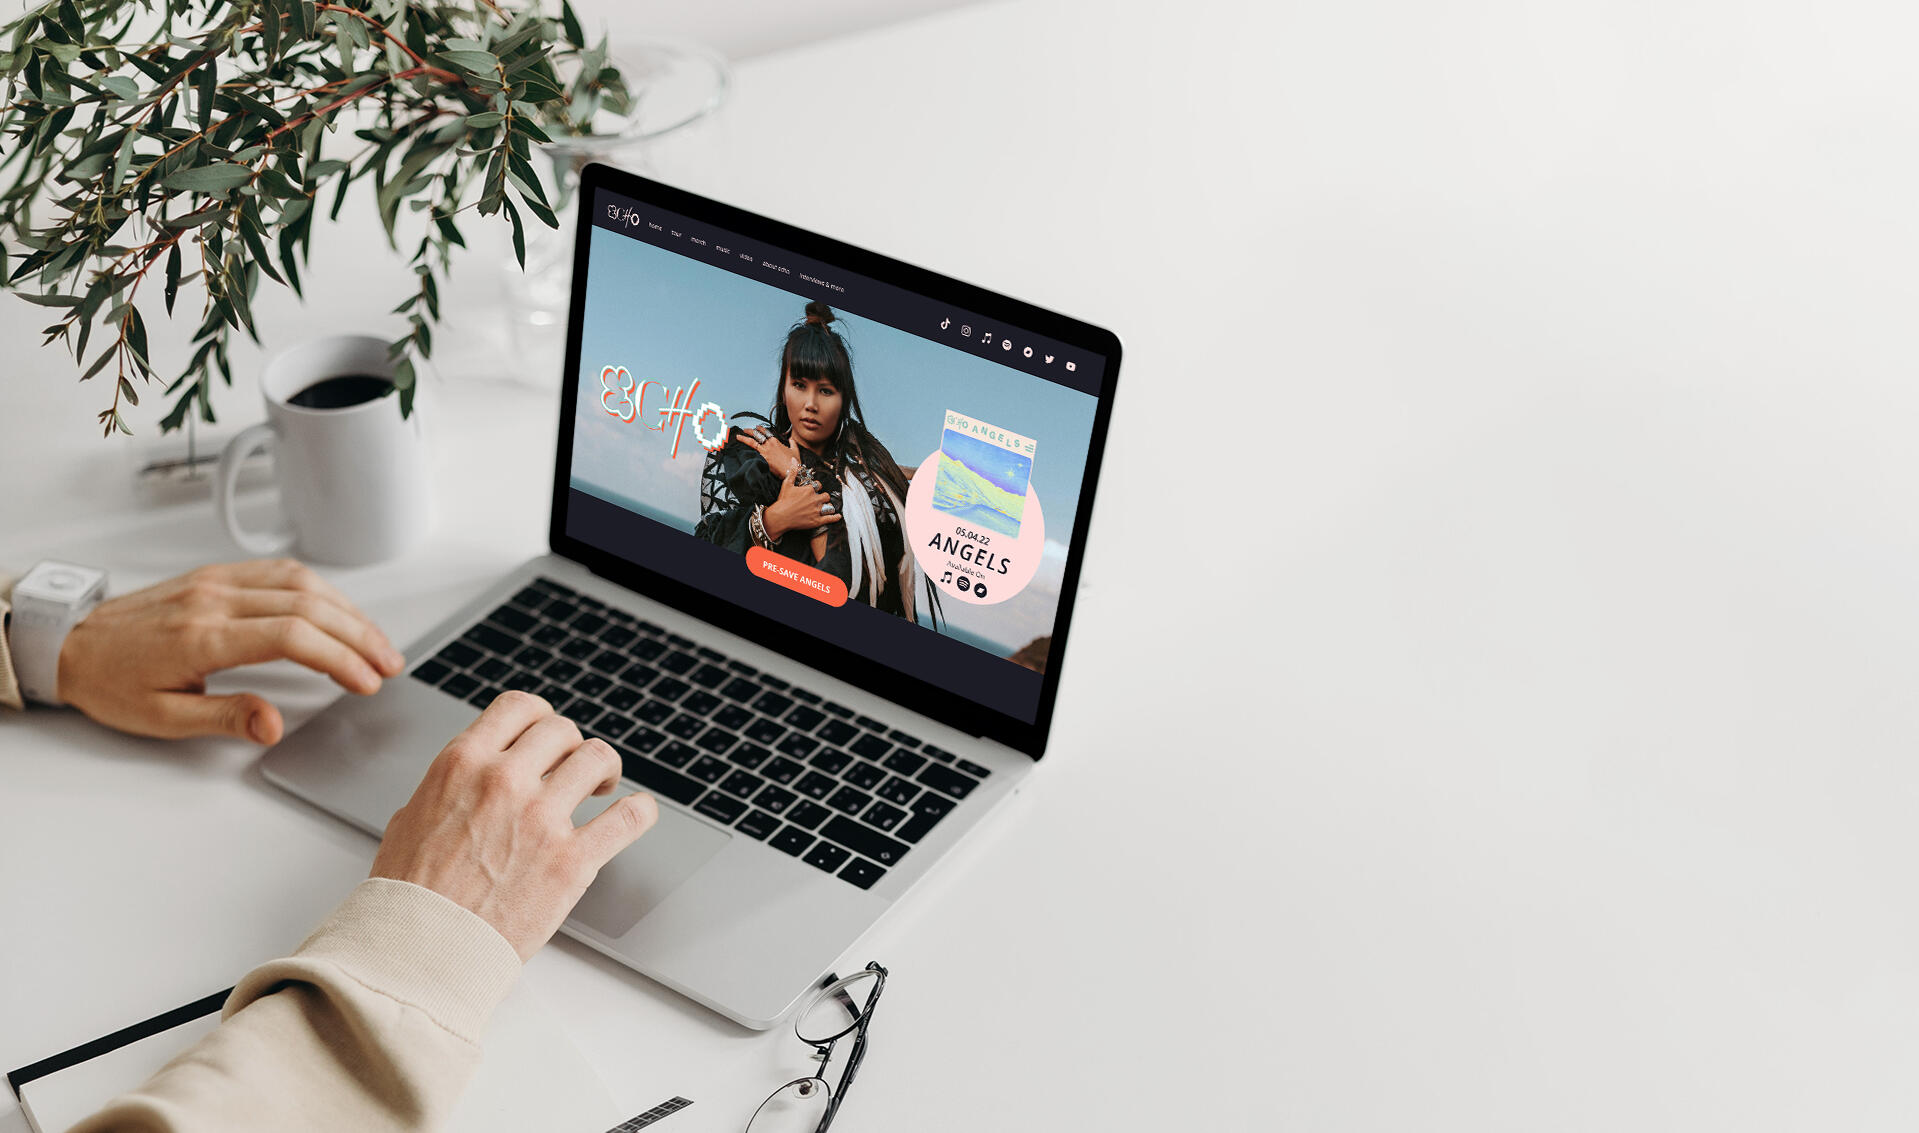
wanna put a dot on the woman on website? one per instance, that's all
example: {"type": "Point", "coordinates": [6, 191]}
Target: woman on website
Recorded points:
{"type": "Point", "coordinates": [812, 483]}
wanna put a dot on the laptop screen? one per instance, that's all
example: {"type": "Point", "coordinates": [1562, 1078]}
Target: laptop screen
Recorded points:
{"type": "Point", "coordinates": [829, 452]}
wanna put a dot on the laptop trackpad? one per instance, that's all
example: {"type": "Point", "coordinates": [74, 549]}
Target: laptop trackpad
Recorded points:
{"type": "Point", "coordinates": [642, 875]}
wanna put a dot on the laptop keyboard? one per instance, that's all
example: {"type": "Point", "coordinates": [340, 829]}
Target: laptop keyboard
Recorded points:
{"type": "Point", "coordinates": [840, 791]}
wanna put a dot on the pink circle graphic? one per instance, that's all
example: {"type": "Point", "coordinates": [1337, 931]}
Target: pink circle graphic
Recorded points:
{"type": "Point", "coordinates": [966, 561]}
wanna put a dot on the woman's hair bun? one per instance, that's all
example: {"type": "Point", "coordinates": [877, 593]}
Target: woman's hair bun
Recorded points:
{"type": "Point", "coordinates": [818, 312]}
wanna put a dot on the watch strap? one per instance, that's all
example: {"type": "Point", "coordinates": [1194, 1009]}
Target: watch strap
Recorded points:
{"type": "Point", "coordinates": [9, 684]}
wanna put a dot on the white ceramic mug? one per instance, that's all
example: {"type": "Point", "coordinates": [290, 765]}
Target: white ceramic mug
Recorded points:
{"type": "Point", "coordinates": [352, 480]}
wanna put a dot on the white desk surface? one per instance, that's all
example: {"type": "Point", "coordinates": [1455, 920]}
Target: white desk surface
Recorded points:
{"type": "Point", "coordinates": [1492, 706]}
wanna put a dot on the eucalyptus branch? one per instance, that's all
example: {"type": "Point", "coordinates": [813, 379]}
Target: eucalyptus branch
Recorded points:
{"type": "Point", "coordinates": [216, 138]}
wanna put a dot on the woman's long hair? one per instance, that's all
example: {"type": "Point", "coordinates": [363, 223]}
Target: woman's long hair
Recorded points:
{"type": "Point", "coordinates": [814, 351]}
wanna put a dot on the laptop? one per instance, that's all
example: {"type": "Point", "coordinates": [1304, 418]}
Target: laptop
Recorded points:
{"type": "Point", "coordinates": [817, 524]}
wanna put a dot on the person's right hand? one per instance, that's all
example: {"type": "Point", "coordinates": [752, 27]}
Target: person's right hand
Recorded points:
{"type": "Point", "coordinates": [797, 508]}
{"type": "Point", "coordinates": [491, 825]}
{"type": "Point", "coordinates": [783, 457]}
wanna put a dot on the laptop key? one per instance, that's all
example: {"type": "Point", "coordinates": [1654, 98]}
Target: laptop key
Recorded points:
{"type": "Point", "coordinates": [723, 807]}
{"type": "Point", "coordinates": [946, 780]}
{"type": "Point", "coordinates": [898, 790]}
{"type": "Point", "coordinates": [682, 642]}
{"type": "Point", "coordinates": [492, 639]}
{"type": "Point", "coordinates": [645, 738]}
{"type": "Point", "coordinates": [708, 676]}
{"type": "Point", "coordinates": [882, 816]}
{"type": "Point", "coordinates": [432, 672]}
{"type": "Point", "coordinates": [902, 739]}
{"type": "Point", "coordinates": [772, 703]}
{"type": "Point", "coordinates": [765, 731]}
{"type": "Point", "coordinates": [840, 710]}
{"type": "Point", "coordinates": [871, 724]}
{"type": "Point", "coordinates": [849, 800]}
{"type": "Point", "coordinates": [512, 619]}
{"type": "Point", "coordinates": [654, 711]}
{"type": "Point", "coordinates": [686, 727]}
{"type": "Point", "coordinates": [677, 753]}
{"type": "Point", "coordinates": [591, 684]}
{"type": "Point", "coordinates": [741, 783]}
{"type": "Point", "coordinates": [678, 663]}
{"type": "Point", "coordinates": [608, 661]}
{"type": "Point", "coordinates": [973, 769]}
{"type": "Point", "coordinates": [700, 701]}
{"type": "Point", "coordinates": [580, 648]}
{"type": "Point", "coordinates": [531, 657]}
{"type": "Point", "coordinates": [830, 760]}
{"type": "Point", "coordinates": [618, 636]}
{"type": "Point", "coordinates": [759, 824]}
{"type": "Point", "coordinates": [586, 625]}
{"type": "Point", "coordinates": [550, 635]}
{"type": "Point", "coordinates": [872, 747]}
{"type": "Point", "coordinates": [583, 713]}
{"type": "Point", "coordinates": [733, 717]}
{"type": "Point", "coordinates": [939, 753]}
{"type": "Point", "coordinates": [864, 842]}
{"type": "Point", "coordinates": [458, 654]}
{"type": "Point", "coordinates": [557, 697]}
{"type": "Point", "coordinates": [837, 732]}
{"type": "Point", "coordinates": [864, 775]}
{"type": "Point", "coordinates": [926, 812]}
{"type": "Point", "coordinates": [815, 785]}
{"type": "Point", "coordinates": [748, 755]}
{"type": "Point", "coordinates": [460, 685]}
{"type": "Point", "coordinates": [774, 798]}
{"type": "Point", "coordinates": [560, 670]}
{"type": "Point", "coordinates": [808, 814]}
{"type": "Point", "coordinates": [792, 840]}
{"type": "Point", "coordinates": [613, 726]}
{"type": "Point", "coordinates": [862, 873]}
{"type": "Point", "coordinates": [559, 609]}
{"type": "Point", "coordinates": [905, 762]}
{"type": "Point", "coordinates": [799, 693]}
{"type": "Point", "coordinates": [741, 667]}
{"type": "Point", "coordinates": [639, 675]}
{"type": "Point", "coordinates": [660, 779]}
{"type": "Point", "coordinates": [773, 682]}
{"type": "Point", "coordinates": [483, 695]}
{"type": "Point", "coordinates": [646, 649]}
{"type": "Point", "coordinates": [740, 689]}
{"type": "Point", "coordinates": [529, 598]}
{"type": "Point", "coordinates": [717, 740]}
{"type": "Point", "coordinates": [668, 688]}
{"type": "Point", "coordinates": [707, 769]}
{"type": "Point", "coordinates": [804, 718]}
{"type": "Point", "coordinates": [798, 746]}
{"type": "Point", "coordinates": [781, 770]}
{"type": "Point", "coordinates": [622, 698]}
{"type": "Point", "coordinates": [826, 856]}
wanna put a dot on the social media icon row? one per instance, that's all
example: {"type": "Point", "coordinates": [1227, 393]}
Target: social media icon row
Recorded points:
{"type": "Point", "coordinates": [1006, 344]}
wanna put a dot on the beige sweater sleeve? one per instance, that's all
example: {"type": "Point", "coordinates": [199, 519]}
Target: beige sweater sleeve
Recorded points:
{"type": "Point", "coordinates": [373, 1024]}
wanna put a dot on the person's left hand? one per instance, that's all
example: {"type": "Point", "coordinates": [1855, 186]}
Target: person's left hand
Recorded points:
{"type": "Point", "coordinates": [139, 662]}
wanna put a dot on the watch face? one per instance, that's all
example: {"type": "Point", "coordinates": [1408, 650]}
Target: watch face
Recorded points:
{"type": "Point", "coordinates": [63, 583]}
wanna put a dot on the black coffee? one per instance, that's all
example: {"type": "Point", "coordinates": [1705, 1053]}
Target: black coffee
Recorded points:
{"type": "Point", "coordinates": [341, 392]}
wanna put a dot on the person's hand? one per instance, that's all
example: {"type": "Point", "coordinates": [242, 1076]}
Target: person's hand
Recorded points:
{"type": "Point", "coordinates": [798, 508]}
{"type": "Point", "coordinates": [783, 457]}
{"type": "Point", "coordinates": [491, 825]}
{"type": "Point", "coordinates": [139, 662]}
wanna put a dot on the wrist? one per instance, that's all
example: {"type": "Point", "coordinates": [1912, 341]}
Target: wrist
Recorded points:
{"type": "Point", "coordinates": [773, 527]}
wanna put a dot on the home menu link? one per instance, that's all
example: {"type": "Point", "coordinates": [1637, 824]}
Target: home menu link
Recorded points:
{"type": "Point", "coordinates": [897, 307]}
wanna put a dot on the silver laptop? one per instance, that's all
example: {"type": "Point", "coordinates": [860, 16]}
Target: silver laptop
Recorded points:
{"type": "Point", "coordinates": [829, 653]}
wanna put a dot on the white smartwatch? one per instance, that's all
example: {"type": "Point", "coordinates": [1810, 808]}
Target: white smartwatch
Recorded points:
{"type": "Point", "coordinates": [47, 603]}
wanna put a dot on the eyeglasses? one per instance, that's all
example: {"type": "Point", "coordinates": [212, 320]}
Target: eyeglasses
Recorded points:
{"type": "Point", "coordinates": [841, 1007]}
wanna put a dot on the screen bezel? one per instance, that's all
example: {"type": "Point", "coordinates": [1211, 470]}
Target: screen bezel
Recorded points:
{"type": "Point", "coordinates": [931, 700]}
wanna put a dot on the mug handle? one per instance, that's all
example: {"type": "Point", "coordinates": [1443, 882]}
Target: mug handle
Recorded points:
{"type": "Point", "coordinates": [251, 438]}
